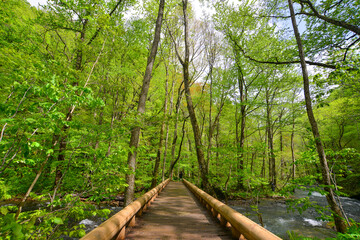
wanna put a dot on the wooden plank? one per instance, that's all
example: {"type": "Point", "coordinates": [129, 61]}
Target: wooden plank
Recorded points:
{"type": "Point", "coordinates": [241, 226]}
{"type": "Point", "coordinates": [115, 226]}
{"type": "Point", "coordinates": [176, 214]}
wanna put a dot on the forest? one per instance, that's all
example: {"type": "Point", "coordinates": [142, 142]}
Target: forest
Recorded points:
{"type": "Point", "coordinates": [102, 99]}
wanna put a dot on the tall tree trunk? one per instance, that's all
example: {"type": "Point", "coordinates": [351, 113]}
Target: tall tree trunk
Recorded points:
{"type": "Point", "coordinates": [113, 117]}
{"type": "Point", "coordinates": [253, 157]}
{"type": "Point", "coordinates": [293, 151]}
{"type": "Point", "coordinates": [217, 145]}
{"type": "Point", "coordinates": [293, 169]}
{"type": "Point", "coordinates": [330, 196]}
{"type": "Point", "coordinates": [263, 168]}
{"type": "Point", "coordinates": [282, 160]}
{"type": "Point", "coordinates": [177, 111]}
{"type": "Point", "coordinates": [101, 117]}
{"type": "Point", "coordinates": [210, 124]}
{"type": "Point", "coordinates": [158, 155]}
{"type": "Point", "coordinates": [167, 130]}
{"type": "Point", "coordinates": [63, 136]}
{"type": "Point", "coordinates": [196, 130]}
{"type": "Point", "coordinates": [240, 138]}
{"type": "Point", "coordinates": [135, 132]}
{"type": "Point", "coordinates": [270, 135]}
{"type": "Point", "coordinates": [173, 163]}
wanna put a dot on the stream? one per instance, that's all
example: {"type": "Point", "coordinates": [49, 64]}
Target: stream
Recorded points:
{"type": "Point", "coordinates": [278, 220]}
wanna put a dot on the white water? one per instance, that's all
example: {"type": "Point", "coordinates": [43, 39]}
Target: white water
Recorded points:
{"type": "Point", "coordinates": [87, 222]}
{"type": "Point", "coordinates": [313, 222]}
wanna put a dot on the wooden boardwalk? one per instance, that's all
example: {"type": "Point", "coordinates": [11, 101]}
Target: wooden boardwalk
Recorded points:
{"type": "Point", "coordinates": [176, 214]}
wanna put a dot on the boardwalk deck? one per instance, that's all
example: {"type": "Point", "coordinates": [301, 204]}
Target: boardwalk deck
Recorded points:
{"type": "Point", "coordinates": [176, 214]}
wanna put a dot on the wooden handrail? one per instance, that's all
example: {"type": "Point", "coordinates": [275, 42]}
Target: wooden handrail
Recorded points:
{"type": "Point", "coordinates": [241, 226]}
{"type": "Point", "coordinates": [115, 226]}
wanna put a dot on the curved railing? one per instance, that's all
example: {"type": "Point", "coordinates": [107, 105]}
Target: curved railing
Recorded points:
{"type": "Point", "coordinates": [114, 227]}
{"type": "Point", "coordinates": [241, 226]}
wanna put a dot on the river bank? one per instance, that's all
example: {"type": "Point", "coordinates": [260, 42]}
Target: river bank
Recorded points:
{"type": "Point", "coordinates": [279, 219]}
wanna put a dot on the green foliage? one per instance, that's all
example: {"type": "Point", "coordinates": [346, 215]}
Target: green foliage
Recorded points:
{"type": "Point", "coordinates": [4, 191]}
{"type": "Point", "coordinates": [296, 236]}
{"type": "Point", "coordinates": [70, 79]}
{"type": "Point", "coordinates": [45, 223]}
{"type": "Point", "coordinates": [302, 204]}
{"type": "Point", "coordinates": [352, 233]}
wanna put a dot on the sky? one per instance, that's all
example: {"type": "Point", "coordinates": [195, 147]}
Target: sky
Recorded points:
{"type": "Point", "coordinates": [198, 8]}
{"type": "Point", "coordinates": [36, 2]}
{"type": "Point", "coordinates": [196, 5]}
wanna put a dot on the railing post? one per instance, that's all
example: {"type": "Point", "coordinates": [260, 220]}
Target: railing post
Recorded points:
{"type": "Point", "coordinates": [132, 222]}
{"type": "Point", "coordinates": [235, 233]}
{"type": "Point", "coordinates": [115, 227]}
{"type": "Point", "coordinates": [224, 222]}
{"type": "Point", "coordinates": [241, 227]}
{"type": "Point", "coordinates": [121, 235]}
{"type": "Point", "coordinates": [214, 212]}
{"type": "Point", "coordinates": [139, 213]}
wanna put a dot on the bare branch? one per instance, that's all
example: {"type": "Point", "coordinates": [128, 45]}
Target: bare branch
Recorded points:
{"type": "Point", "coordinates": [21, 101]}
{"type": "Point", "coordinates": [276, 62]}
{"type": "Point", "coordinates": [2, 131]}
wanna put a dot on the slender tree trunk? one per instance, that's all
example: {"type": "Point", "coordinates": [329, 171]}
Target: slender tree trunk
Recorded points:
{"type": "Point", "coordinates": [282, 160]}
{"type": "Point", "coordinates": [210, 124]}
{"type": "Point", "coordinates": [263, 168]}
{"type": "Point", "coordinates": [196, 130]}
{"type": "Point", "coordinates": [270, 135]}
{"type": "Point", "coordinates": [101, 118]}
{"type": "Point", "coordinates": [158, 156]}
{"type": "Point", "coordinates": [113, 117]}
{"type": "Point", "coordinates": [293, 148]}
{"type": "Point", "coordinates": [240, 140]}
{"type": "Point", "coordinates": [179, 152]}
{"type": "Point", "coordinates": [22, 203]}
{"type": "Point", "coordinates": [178, 102]}
{"type": "Point", "coordinates": [293, 153]}
{"type": "Point", "coordinates": [330, 196]}
{"type": "Point", "coordinates": [135, 132]}
{"type": "Point", "coordinates": [253, 156]}
{"type": "Point", "coordinates": [217, 145]}
{"type": "Point", "coordinates": [64, 130]}
{"type": "Point", "coordinates": [165, 152]}
{"type": "Point", "coordinates": [167, 131]}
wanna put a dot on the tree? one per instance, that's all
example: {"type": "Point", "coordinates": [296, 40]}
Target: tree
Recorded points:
{"type": "Point", "coordinates": [330, 196]}
{"type": "Point", "coordinates": [135, 132]}
{"type": "Point", "coordinates": [185, 62]}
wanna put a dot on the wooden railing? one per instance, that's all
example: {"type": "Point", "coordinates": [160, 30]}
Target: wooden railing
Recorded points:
{"type": "Point", "coordinates": [241, 227]}
{"type": "Point", "coordinates": [114, 227]}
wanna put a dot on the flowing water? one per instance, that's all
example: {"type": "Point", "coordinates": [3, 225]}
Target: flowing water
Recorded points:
{"type": "Point", "coordinates": [279, 220]}
{"type": "Point", "coordinates": [93, 222]}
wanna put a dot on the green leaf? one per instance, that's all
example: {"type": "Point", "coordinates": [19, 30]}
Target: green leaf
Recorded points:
{"type": "Point", "coordinates": [50, 151]}
{"type": "Point", "coordinates": [81, 233]}
{"type": "Point", "coordinates": [58, 221]}
{"type": "Point", "coordinates": [35, 144]}
{"type": "Point", "coordinates": [7, 120]}
{"type": "Point", "coordinates": [17, 231]}
{"type": "Point", "coordinates": [4, 210]}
